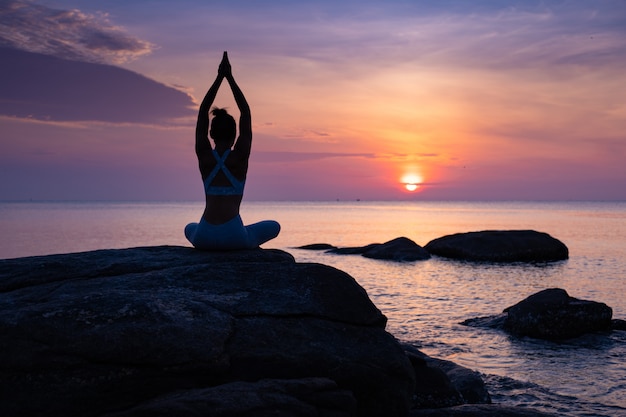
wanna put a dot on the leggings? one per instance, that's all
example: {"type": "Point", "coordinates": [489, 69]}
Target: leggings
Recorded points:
{"type": "Point", "coordinates": [230, 235]}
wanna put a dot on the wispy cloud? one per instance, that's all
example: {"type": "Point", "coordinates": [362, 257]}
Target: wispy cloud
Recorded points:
{"type": "Point", "coordinates": [490, 35]}
{"type": "Point", "coordinates": [68, 34]}
{"type": "Point", "coordinates": [271, 157]}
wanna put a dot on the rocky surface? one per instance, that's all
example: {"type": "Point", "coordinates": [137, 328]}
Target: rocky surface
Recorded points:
{"type": "Point", "coordinates": [265, 398]}
{"type": "Point", "coordinates": [499, 246]}
{"type": "Point", "coordinates": [172, 331]}
{"type": "Point", "coordinates": [154, 331]}
{"type": "Point", "coordinates": [550, 314]}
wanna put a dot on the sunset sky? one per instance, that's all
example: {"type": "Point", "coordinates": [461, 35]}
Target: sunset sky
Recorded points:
{"type": "Point", "coordinates": [480, 100]}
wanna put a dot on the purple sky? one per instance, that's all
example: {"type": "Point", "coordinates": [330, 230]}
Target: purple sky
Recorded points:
{"type": "Point", "coordinates": [476, 100]}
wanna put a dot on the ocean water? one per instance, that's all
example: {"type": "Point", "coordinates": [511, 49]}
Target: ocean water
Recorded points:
{"type": "Point", "coordinates": [424, 301]}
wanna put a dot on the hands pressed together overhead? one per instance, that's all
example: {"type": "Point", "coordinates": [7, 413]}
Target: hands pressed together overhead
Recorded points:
{"type": "Point", "coordinates": [224, 69]}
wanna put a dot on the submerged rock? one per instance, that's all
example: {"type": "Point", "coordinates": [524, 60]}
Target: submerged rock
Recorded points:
{"type": "Point", "coordinates": [490, 322]}
{"type": "Point", "coordinates": [499, 246]}
{"type": "Point", "coordinates": [550, 314]}
{"type": "Point", "coordinates": [354, 250]}
{"type": "Point", "coordinates": [172, 328]}
{"type": "Point", "coordinates": [317, 246]}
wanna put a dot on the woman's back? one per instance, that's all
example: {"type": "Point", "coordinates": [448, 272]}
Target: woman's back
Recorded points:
{"type": "Point", "coordinates": [224, 177]}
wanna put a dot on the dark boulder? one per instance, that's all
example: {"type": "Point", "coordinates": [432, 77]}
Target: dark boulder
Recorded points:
{"type": "Point", "coordinates": [95, 333]}
{"type": "Point", "coordinates": [440, 383]}
{"type": "Point", "coordinates": [499, 246]}
{"type": "Point", "coordinates": [550, 314]}
{"type": "Point", "coordinates": [399, 249]}
{"type": "Point", "coordinates": [553, 314]}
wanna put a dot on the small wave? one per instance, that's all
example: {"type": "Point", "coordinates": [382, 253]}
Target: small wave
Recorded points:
{"type": "Point", "coordinates": [511, 392]}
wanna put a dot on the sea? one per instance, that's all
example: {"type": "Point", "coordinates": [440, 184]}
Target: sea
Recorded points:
{"type": "Point", "coordinates": [424, 301]}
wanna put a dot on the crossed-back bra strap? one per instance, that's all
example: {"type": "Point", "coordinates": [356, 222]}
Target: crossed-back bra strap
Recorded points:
{"type": "Point", "coordinates": [236, 187]}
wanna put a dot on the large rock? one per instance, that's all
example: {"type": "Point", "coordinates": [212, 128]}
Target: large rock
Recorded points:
{"type": "Point", "coordinates": [137, 330]}
{"type": "Point", "coordinates": [550, 314]}
{"type": "Point", "coordinates": [499, 246]}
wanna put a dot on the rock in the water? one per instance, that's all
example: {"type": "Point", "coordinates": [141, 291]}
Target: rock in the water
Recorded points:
{"type": "Point", "coordinates": [490, 322]}
{"type": "Point", "coordinates": [317, 246]}
{"type": "Point", "coordinates": [399, 249]}
{"type": "Point", "coordinates": [553, 314]}
{"type": "Point", "coordinates": [94, 333]}
{"type": "Point", "coordinates": [354, 250]}
{"type": "Point", "coordinates": [499, 246]}
{"type": "Point", "coordinates": [550, 314]}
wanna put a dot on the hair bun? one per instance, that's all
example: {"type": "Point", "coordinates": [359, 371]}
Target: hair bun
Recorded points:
{"type": "Point", "coordinates": [216, 111]}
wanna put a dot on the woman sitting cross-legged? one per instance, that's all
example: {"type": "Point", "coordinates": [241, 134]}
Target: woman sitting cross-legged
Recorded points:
{"type": "Point", "coordinates": [223, 171]}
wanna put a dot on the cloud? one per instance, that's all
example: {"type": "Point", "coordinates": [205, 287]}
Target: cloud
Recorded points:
{"type": "Point", "coordinates": [42, 87]}
{"type": "Point", "coordinates": [68, 34]}
{"type": "Point", "coordinates": [273, 157]}
{"type": "Point", "coordinates": [55, 68]}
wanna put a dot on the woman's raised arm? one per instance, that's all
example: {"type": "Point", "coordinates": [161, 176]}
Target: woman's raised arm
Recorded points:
{"type": "Point", "coordinates": [202, 126]}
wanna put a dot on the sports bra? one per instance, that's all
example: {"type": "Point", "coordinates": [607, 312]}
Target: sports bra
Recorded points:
{"type": "Point", "coordinates": [236, 187]}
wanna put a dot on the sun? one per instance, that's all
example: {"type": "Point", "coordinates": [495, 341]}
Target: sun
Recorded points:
{"type": "Point", "coordinates": [411, 181]}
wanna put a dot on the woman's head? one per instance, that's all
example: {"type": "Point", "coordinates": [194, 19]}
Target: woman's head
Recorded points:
{"type": "Point", "coordinates": [223, 127]}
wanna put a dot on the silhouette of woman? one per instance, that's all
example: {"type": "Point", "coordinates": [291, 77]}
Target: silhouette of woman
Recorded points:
{"type": "Point", "coordinates": [223, 171]}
